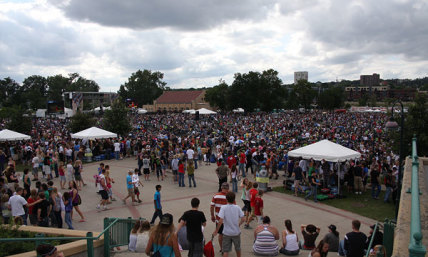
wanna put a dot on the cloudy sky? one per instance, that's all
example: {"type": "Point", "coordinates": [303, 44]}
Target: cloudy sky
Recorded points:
{"type": "Point", "coordinates": [196, 43]}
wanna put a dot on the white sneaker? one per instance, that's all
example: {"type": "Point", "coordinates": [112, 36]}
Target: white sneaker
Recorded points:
{"type": "Point", "coordinates": [98, 206]}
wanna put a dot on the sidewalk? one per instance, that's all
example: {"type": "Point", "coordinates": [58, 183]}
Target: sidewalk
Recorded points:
{"type": "Point", "coordinates": [176, 200]}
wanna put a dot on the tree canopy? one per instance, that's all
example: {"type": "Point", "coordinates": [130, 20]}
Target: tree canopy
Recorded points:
{"type": "Point", "coordinates": [116, 119]}
{"type": "Point", "coordinates": [331, 98]}
{"type": "Point", "coordinates": [143, 87]}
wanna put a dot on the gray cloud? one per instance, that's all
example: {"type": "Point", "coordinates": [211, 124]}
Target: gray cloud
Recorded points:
{"type": "Point", "coordinates": [183, 15]}
{"type": "Point", "coordinates": [381, 27]}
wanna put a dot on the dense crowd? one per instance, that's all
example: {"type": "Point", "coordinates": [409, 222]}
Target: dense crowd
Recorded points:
{"type": "Point", "coordinates": [238, 144]}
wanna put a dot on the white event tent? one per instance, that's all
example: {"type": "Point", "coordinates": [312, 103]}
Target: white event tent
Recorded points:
{"type": "Point", "coordinates": [141, 111]}
{"type": "Point", "coordinates": [240, 110]}
{"type": "Point", "coordinates": [326, 150]}
{"type": "Point", "coordinates": [9, 135]}
{"type": "Point", "coordinates": [93, 133]}
{"type": "Point", "coordinates": [191, 111]}
{"type": "Point", "coordinates": [205, 111]}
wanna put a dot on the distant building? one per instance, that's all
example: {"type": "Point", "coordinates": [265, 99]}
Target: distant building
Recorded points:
{"type": "Point", "coordinates": [178, 101]}
{"type": "Point", "coordinates": [355, 93]}
{"type": "Point", "coordinates": [370, 81]}
{"type": "Point", "coordinates": [299, 75]}
{"type": "Point", "coordinates": [84, 101]}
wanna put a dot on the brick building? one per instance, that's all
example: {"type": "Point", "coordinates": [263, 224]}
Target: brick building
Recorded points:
{"type": "Point", "coordinates": [178, 101]}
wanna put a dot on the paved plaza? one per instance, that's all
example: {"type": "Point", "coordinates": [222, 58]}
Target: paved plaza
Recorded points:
{"type": "Point", "coordinates": [176, 200]}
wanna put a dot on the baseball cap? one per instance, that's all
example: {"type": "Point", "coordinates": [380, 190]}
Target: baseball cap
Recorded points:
{"type": "Point", "coordinates": [225, 185]}
{"type": "Point", "coordinates": [332, 227]}
{"type": "Point", "coordinates": [166, 219]}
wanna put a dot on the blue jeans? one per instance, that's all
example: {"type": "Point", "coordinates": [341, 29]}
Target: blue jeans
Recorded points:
{"type": "Point", "coordinates": [313, 192]}
{"type": "Point", "coordinates": [191, 178]}
{"type": "Point", "coordinates": [117, 154]}
{"type": "Point", "coordinates": [241, 168]}
{"type": "Point", "coordinates": [67, 218]}
{"type": "Point", "coordinates": [234, 185]}
{"type": "Point", "coordinates": [196, 163]}
{"type": "Point", "coordinates": [387, 193]}
{"type": "Point", "coordinates": [158, 213]}
{"type": "Point", "coordinates": [375, 190]}
{"type": "Point", "coordinates": [342, 251]}
{"type": "Point", "coordinates": [181, 179]}
{"type": "Point", "coordinates": [24, 218]}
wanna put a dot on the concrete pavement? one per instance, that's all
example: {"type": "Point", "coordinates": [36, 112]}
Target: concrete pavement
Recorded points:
{"type": "Point", "coordinates": [176, 200]}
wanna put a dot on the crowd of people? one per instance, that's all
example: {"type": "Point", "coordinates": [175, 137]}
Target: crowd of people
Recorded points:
{"type": "Point", "coordinates": [238, 145]}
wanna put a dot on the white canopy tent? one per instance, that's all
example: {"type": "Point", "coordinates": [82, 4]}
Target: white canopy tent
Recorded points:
{"type": "Point", "coordinates": [240, 110]}
{"type": "Point", "coordinates": [10, 135]}
{"type": "Point", "coordinates": [191, 111]}
{"type": "Point", "coordinates": [205, 111]}
{"type": "Point", "coordinates": [141, 111]}
{"type": "Point", "coordinates": [93, 133]}
{"type": "Point", "coordinates": [328, 151]}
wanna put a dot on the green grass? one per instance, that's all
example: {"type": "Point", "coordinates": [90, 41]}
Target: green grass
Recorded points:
{"type": "Point", "coordinates": [20, 167]}
{"type": "Point", "coordinates": [363, 205]}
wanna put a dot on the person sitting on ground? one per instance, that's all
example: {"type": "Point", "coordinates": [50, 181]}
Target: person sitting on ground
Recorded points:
{"type": "Point", "coordinates": [143, 236]}
{"type": "Point", "coordinates": [321, 250]}
{"type": "Point", "coordinates": [378, 237]}
{"type": "Point", "coordinates": [310, 233]}
{"type": "Point", "coordinates": [265, 236]}
{"type": "Point", "coordinates": [133, 236]}
{"type": "Point", "coordinates": [47, 250]}
{"type": "Point", "coordinates": [163, 238]}
{"type": "Point", "coordinates": [332, 239]}
{"type": "Point", "coordinates": [290, 240]}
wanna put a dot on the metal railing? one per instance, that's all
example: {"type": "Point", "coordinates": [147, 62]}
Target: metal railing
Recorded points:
{"type": "Point", "coordinates": [371, 240]}
{"type": "Point", "coordinates": [416, 249]}
{"type": "Point", "coordinates": [388, 238]}
{"type": "Point", "coordinates": [116, 230]}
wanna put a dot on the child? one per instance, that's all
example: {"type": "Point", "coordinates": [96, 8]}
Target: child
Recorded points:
{"type": "Point", "coordinates": [6, 213]}
{"type": "Point", "coordinates": [109, 181]}
{"type": "Point", "coordinates": [191, 173]}
{"type": "Point", "coordinates": [61, 172]}
{"type": "Point", "coordinates": [181, 174]}
{"type": "Point", "coordinates": [136, 181]}
{"type": "Point", "coordinates": [258, 211]}
{"type": "Point", "coordinates": [68, 209]}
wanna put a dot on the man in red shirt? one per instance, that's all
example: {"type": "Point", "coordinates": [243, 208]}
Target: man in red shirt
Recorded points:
{"type": "Point", "coordinates": [217, 201]}
{"type": "Point", "coordinates": [231, 160]}
{"type": "Point", "coordinates": [242, 160]}
{"type": "Point", "coordinates": [253, 194]}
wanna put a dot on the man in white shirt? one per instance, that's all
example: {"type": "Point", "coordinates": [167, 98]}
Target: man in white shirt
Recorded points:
{"type": "Point", "coordinates": [231, 216]}
{"type": "Point", "coordinates": [102, 189]}
{"type": "Point", "coordinates": [136, 182]}
{"type": "Point", "coordinates": [35, 164]}
{"type": "Point", "coordinates": [116, 149]}
{"type": "Point", "coordinates": [190, 154]}
{"type": "Point", "coordinates": [17, 203]}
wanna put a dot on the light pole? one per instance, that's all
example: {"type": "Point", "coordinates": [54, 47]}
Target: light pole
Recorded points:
{"type": "Point", "coordinates": [391, 125]}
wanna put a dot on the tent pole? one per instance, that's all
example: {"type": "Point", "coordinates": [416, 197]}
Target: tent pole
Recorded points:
{"type": "Point", "coordinates": [338, 179]}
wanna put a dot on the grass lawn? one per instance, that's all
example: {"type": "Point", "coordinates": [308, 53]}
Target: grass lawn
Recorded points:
{"type": "Point", "coordinates": [363, 205]}
{"type": "Point", "coordinates": [20, 167]}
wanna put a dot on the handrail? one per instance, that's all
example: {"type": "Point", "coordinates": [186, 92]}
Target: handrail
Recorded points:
{"type": "Point", "coordinates": [88, 237]}
{"type": "Point", "coordinates": [372, 239]}
{"type": "Point", "coordinates": [416, 249]}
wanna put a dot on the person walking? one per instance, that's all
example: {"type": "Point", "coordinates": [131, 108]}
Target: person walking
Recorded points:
{"type": "Point", "coordinates": [222, 171]}
{"type": "Point", "coordinates": [194, 220]}
{"type": "Point", "coordinates": [102, 189]}
{"type": "Point", "coordinates": [231, 218]}
{"type": "Point", "coordinates": [157, 205]}
{"type": "Point", "coordinates": [130, 188]}
{"type": "Point", "coordinates": [217, 202]}
{"type": "Point", "coordinates": [76, 200]}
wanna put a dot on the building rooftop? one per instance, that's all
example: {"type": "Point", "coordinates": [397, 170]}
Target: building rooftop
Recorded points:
{"type": "Point", "coordinates": [178, 97]}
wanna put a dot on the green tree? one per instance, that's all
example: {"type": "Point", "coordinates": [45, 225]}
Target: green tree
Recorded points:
{"type": "Point", "coordinates": [116, 119]}
{"type": "Point", "coordinates": [34, 91]}
{"type": "Point", "coordinates": [18, 120]}
{"type": "Point", "coordinates": [81, 121]}
{"type": "Point", "coordinates": [56, 86]}
{"type": "Point", "coordinates": [331, 98]}
{"type": "Point", "coordinates": [304, 93]}
{"type": "Point", "coordinates": [81, 84]}
{"type": "Point", "coordinates": [143, 87]}
{"type": "Point", "coordinates": [217, 95]}
{"type": "Point", "coordinates": [255, 90]}
{"type": "Point", "coordinates": [59, 84]}
{"type": "Point", "coordinates": [9, 92]}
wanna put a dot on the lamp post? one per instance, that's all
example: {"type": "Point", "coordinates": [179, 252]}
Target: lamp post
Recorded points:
{"type": "Point", "coordinates": [391, 125]}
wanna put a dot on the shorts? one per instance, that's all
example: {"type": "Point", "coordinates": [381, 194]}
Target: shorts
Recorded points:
{"type": "Point", "coordinates": [35, 171]}
{"type": "Point", "coordinates": [77, 177]}
{"type": "Point", "coordinates": [247, 206]}
{"type": "Point", "coordinates": [136, 191]}
{"type": "Point", "coordinates": [220, 230]}
{"type": "Point", "coordinates": [75, 204]}
{"type": "Point", "coordinates": [227, 243]}
{"type": "Point", "coordinates": [103, 194]}
{"type": "Point", "coordinates": [62, 178]}
{"type": "Point", "coordinates": [146, 171]}
{"type": "Point", "coordinates": [130, 191]}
